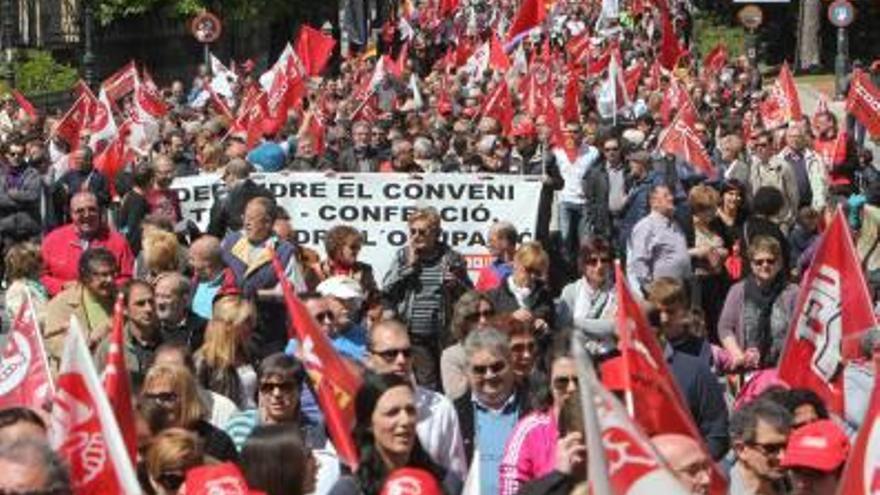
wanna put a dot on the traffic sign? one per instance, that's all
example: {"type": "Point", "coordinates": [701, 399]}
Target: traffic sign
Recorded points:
{"type": "Point", "coordinates": [206, 27]}
{"type": "Point", "coordinates": [841, 13]}
{"type": "Point", "coordinates": [750, 16]}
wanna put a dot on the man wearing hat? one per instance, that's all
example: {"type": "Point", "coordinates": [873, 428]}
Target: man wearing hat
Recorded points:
{"type": "Point", "coordinates": [815, 456]}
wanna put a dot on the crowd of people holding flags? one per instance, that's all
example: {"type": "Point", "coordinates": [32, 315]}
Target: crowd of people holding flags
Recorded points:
{"type": "Point", "coordinates": [695, 313]}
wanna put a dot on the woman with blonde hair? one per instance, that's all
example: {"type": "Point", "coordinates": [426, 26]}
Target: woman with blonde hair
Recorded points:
{"type": "Point", "coordinates": [223, 363]}
{"type": "Point", "coordinates": [170, 455]}
{"type": "Point", "coordinates": [170, 398]}
{"type": "Point", "coordinates": [523, 293]}
{"type": "Point", "coordinates": [160, 250]}
{"type": "Point", "coordinates": [23, 266]}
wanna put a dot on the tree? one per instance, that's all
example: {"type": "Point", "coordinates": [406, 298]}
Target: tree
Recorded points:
{"type": "Point", "coordinates": [809, 32]}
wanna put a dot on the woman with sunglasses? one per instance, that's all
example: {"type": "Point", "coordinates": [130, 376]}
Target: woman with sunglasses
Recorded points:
{"type": "Point", "coordinates": [589, 302]}
{"type": "Point", "coordinates": [169, 398]}
{"type": "Point", "coordinates": [523, 293]}
{"type": "Point", "coordinates": [758, 309]}
{"type": "Point", "coordinates": [472, 311]}
{"type": "Point", "coordinates": [385, 433]}
{"type": "Point", "coordinates": [530, 452]}
{"type": "Point", "coordinates": [171, 454]}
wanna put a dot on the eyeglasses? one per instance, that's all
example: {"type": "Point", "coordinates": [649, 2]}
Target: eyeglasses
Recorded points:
{"type": "Point", "coordinates": [768, 449]}
{"type": "Point", "coordinates": [563, 382]}
{"type": "Point", "coordinates": [390, 355]}
{"type": "Point", "coordinates": [171, 481]}
{"type": "Point", "coordinates": [483, 369]}
{"type": "Point", "coordinates": [325, 316]}
{"type": "Point", "coordinates": [163, 397]}
{"type": "Point", "coordinates": [598, 260]}
{"type": "Point", "coordinates": [764, 261]}
{"type": "Point", "coordinates": [283, 387]}
{"type": "Point", "coordinates": [419, 231]}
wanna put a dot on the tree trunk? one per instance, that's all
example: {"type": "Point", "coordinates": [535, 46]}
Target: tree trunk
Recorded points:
{"type": "Point", "coordinates": [809, 43]}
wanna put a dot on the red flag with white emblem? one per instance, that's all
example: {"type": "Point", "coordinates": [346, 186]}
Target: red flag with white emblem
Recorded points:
{"type": "Point", "coordinates": [84, 430]}
{"type": "Point", "coordinates": [627, 463]}
{"type": "Point", "coordinates": [658, 405]}
{"type": "Point", "coordinates": [681, 140]}
{"type": "Point", "coordinates": [71, 125]}
{"type": "Point", "coordinates": [863, 102]}
{"type": "Point", "coordinates": [531, 14]}
{"type": "Point", "coordinates": [334, 383]}
{"type": "Point", "coordinates": [24, 371]}
{"type": "Point", "coordinates": [861, 475]}
{"type": "Point", "coordinates": [499, 106]}
{"type": "Point", "coordinates": [117, 383]}
{"type": "Point", "coordinates": [826, 326]}
{"type": "Point", "coordinates": [782, 103]}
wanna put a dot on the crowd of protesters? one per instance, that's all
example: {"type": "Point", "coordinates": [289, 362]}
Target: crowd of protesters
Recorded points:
{"type": "Point", "coordinates": [453, 367]}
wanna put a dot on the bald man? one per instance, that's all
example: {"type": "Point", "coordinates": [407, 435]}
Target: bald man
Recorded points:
{"type": "Point", "coordinates": [206, 258]}
{"type": "Point", "coordinates": [687, 460]}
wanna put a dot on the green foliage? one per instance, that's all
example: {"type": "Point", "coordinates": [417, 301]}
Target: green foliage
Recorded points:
{"type": "Point", "coordinates": [37, 72]}
{"type": "Point", "coordinates": [710, 30]}
{"type": "Point", "coordinates": [228, 10]}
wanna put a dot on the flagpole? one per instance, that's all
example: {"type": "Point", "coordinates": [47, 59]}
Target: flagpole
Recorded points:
{"type": "Point", "coordinates": [597, 467]}
{"type": "Point", "coordinates": [39, 339]}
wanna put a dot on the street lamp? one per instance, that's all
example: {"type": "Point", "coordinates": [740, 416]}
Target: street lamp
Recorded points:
{"type": "Point", "coordinates": [7, 74]}
{"type": "Point", "coordinates": [88, 60]}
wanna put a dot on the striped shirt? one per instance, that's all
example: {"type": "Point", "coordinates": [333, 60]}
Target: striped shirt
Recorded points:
{"type": "Point", "coordinates": [241, 425]}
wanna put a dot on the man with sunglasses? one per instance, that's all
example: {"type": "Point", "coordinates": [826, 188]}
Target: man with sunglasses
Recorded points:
{"type": "Point", "coordinates": [488, 412]}
{"type": "Point", "coordinates": [389, 350]}
{"type": "Point", "coordinates": [765, 171]}
{"type": "Point", "coordinates": [759, 431]}
{"type": "Point", "coordinates": [20, 193]}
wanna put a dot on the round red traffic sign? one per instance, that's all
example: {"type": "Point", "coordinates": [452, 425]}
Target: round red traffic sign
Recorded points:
{"type": "Point", "coordinates": [841, 13]}
{"type": "Point", "coordinates": [206, 27]}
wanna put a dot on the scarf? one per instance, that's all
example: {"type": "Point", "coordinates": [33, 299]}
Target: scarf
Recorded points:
{"type": "Point", "coordinates": [758, 312]}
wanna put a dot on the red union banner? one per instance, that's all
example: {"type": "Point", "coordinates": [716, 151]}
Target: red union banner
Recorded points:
{"type": "Point", "coordinates": [24, 372]}
{"type": "Point", "coordinates": [863, 101]}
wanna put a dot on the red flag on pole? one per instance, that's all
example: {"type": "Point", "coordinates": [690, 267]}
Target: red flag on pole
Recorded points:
{"type": "Point", "coordinates": [657, 403]}
{"type": "Point", "coordinates": [863, 102]}
{"type": "Point", "coordinates": [25, 379]}
{"type": "Point", "coordinates": [670, 48]}
{"type": "Point", "coordinates": [314, 49]}
{"type": "Point", "coordinates": [447, 7]}
{"type": "Point", "coordinates": [631, 78]}
{"type": "Point", "coordinates": [117, 383]}
{"type": "Point", "coordinates": [84, 430]}
{"type": "Point", "coordinates": [681, 140]}
{"type": "Point", "coordinates": [313, 126]}
{"type": "Point", "coordinates": [531, 14]}
{"type": "Point", "coordinates": [715, 59]}
{"type": "Point", "coordinates": [782, 103]}
{"type": "Point", "coordinates": [23, 103]}
{"type": "Point", "coordinates": [334, 383]}
{"type": "Point", "coordinates": [571, 110]}
{"type": "Point", "coordinates": [626, 462]}
{"type": "Point", "coordinates": [499, 106]}
{"type": "Point", "coordinates": [121, 82]}
{"type": "Point", "coordinates": [861, 475]}
{"type": "Point", "coordinates": [147, 101]}
{"type": "Point", "coordinates": [111, 160]}
{"type": "Point", "coordinates": [826, 326]}
{"type": "Point", "coordinates": [498, 59]}
{"type": "Point", "coordinates": [70, 126]}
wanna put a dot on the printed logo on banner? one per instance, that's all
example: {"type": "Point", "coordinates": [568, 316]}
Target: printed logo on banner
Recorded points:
{"type": "Point", "coordinates": [821, 322]}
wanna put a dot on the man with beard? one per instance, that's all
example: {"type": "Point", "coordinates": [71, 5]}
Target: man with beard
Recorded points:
{"type": "Point", "coordinates": [306, 159]}
{"type": "Point", "coordinates": [360, 156]}
{"type": "Point", "coordinates": [183, 159]}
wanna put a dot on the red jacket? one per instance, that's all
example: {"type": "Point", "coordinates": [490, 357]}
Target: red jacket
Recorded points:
{"type": "Point", "coordinates": [62, 248]}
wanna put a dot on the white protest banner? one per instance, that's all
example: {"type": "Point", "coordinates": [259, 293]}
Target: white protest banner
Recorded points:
{"type": "Point", "coordinates": [378, 205]}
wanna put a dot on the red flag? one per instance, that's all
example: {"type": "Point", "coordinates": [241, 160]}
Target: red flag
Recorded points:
{"type": "Point", "coordinates": [680, 140]}
{"type": "Point", "coordinates": [670, 48]}
{"type": "Point", "coordinates": [498, 59]}
{"type": "Point", "coordinates": [657, 403]}
{"type": "Point", "coordinates": [826, 326]}
{"type": "Point", "coordinates": [715, 59]}
{"type": "Point", "coordinates": [24, 104]}
{"type": "Point", "coordinates": [535, 89]}
{"type": "Point", "coordinates": [530, 15]}
{"type": "Point", "coordinates": [863, 102]}
{"type": "Point", "coordinates": [219, 104]}
{"type": "Point", "coordinates": [861, 475]}
{"type": "Point", "coordinates": [111, 160]}
{"type": "Point", "coordinates": [117, 383]}
{"type": "Point", "coordinates": [121, 82]}
{"type": "Point", "coordinates": [84, 431]}
{"type": "Point", "coordinates": [627, 462]}
{"type": "Point", "coordinates": [147, 100]}
{"type": "Point", "coordinates": [631, 78]}
{"type": "Point", "coordinates": [571, 110]}
{"type": "Point", "coordinates": [25, 379]}
{"type": "Point", "coordinates": [499, 106]}
{"type": "Point", "coordinates": [597, 66]}
{"type": "Point", "coordinates": [578, 48]}
{"type": "Point", "coordinates": [447, 8]}
{"type": "Point", "coordinates": [313, 126]}
{"type": "Point", "coordinates": [70, 126]}
{"type": "Point", "coordinates": [334, 383]}
{"type": "Point", "coordinates": [314, 49]}
{"type": "Point", "coordinates": [782, 103]}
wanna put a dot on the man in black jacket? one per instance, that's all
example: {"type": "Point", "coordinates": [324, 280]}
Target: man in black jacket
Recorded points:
{"type": "Point", "coordinates": [20, 193]}
{"type": "Point", "coordinates": [489, 411]}
{"type": "Point", "coordinates": [227, 211]}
